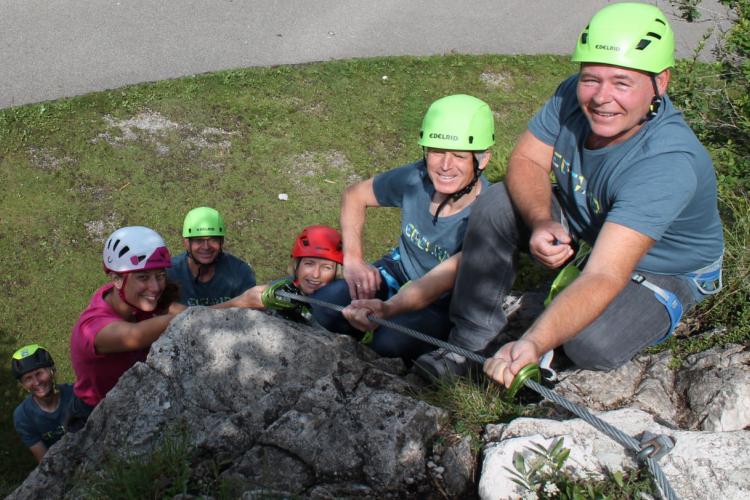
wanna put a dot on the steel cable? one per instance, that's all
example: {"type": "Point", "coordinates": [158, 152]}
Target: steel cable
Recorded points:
{"type": "Point", "coordinates": [616, 434]}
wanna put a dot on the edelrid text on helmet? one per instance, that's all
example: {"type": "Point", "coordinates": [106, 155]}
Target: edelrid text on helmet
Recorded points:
{"type": "Point", "coordinates": [135, 248]}
{"type": "Point", "coordinates": [203, 221]}
{"type": "Point", "coordinates": [29, 358]}
{"type": "Point", "coordinates": [629, 35]}
{"type": "Point", "coordinates": [458, 122]}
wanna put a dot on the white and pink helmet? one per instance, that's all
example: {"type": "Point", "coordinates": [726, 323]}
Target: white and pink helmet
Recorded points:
{"type": "Point", "coordinates": [135, 248]}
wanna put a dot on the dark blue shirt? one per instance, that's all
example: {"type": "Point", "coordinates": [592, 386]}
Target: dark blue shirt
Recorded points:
{"type": "Point", "coordinates": [34, 424]}
{"type": "Point", "coordinates": [232, 276]}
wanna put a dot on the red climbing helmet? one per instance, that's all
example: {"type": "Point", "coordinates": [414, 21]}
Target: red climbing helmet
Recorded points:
{"type": "Point", "coordinates": [323, 242]}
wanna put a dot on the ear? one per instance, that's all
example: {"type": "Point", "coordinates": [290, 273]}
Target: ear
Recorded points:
{"type": "Point", "coordinates": [117, 279]}
{"type": "Point", "coordinates": [186, 244]}
{"type": "Point", "coordinates": [483, 158]}
{"type": "Point", "coordinates": [662, 81]}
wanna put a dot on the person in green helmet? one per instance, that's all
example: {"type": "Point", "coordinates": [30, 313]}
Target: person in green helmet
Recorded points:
{"type": "Point", "coordinates": [435, 195]}
{"type": "Point", "coordinates": [205, 273]}
{"type": "Point", "coordinates": [632, 182]}
{"type": "Point", "coordinates": [39, 418]}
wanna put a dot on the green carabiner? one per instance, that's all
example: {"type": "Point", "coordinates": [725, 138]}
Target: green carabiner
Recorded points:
{"type": "Point", "coordinates": [531, 370]}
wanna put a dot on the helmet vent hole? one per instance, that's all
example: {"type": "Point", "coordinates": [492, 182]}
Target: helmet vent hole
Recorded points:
{"type": "Point", "coordinates": [114, 247]}
{"type": "Point", "coordinates": [660, 21]}
{"type": "Point", "coordinates": [306, 242]}
{"type": "Point", "coordinates": [123, 251]}
{"type": "Point", "coordinates": [471, 139]}
{"type": "Point", "coordinates": [642, 44]}
{"type": "Point", "coordinates": [421, 134]}
{"type": "Point", "coordinates": [584, 38]}
{"type": "Point", "coordinates": [141, 257]}
{"type": "Point", "coordinates": [654, 35]}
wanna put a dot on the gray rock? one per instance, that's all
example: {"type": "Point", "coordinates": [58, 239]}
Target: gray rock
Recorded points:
{"type": "Point", "coordinates": [716, 462]}
{"type": "Point", "coordinates": [459, 466]}
{"type": "Point", "coordinates": [710, 392]}
{"type": "Point", "coordinates": [716, 387]}
{"type": "Point", "coordinates": [292, 410]}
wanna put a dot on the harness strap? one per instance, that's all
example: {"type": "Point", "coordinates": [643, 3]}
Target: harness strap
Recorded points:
{"type": "Point", "coordinates": [668, 299]}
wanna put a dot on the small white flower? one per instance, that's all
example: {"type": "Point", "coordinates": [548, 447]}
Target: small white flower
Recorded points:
{"type": "Point", "coordinates": [385, 77]}
{"type": "Point", "coordinates": [551, 489]}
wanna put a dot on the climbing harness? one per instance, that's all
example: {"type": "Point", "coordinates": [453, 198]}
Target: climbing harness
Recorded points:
{"type": "Point", "coordinates": [668, 299]}
{"type": "Point", "coordinates": [530, 376]}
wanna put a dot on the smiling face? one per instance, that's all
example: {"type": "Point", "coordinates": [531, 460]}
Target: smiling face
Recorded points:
{"type": "Point", "coordinates": [314, 273]}
{"type": "Point", "coordinates": [449, 171]}
{"type": "Point", "coordinates": [615, 101]}
{"type": "Point", "coordinates": [204, 250]}
{"type": "Point", "coordinates": [40, 382]}
{"type": "Point", "coordinates": [143, 289]}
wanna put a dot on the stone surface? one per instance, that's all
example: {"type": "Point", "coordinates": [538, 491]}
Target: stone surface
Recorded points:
{"type": "Point", "coordinates": [288, 408]}
{"type": "Point", "coordinates": [710, 392]}
{"type": "Point", "coordinates": [718, 462]}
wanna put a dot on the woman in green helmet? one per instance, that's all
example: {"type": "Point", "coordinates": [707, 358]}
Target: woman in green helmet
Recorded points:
{"type": "Point", "coordinates": [435, 195]}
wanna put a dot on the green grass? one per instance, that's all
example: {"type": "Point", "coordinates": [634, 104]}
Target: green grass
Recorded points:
{"type": "Point", "coordinates": [71, 176]}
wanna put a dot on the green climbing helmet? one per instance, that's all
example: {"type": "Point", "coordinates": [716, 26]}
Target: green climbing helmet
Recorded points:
{"type": "Point", "coordinates": [29, 358]}
{"type": "Point", "coordinates": [458, 122]}
{"type": "Point", "coordinates": [203, 221]}
{"type": "Point", "coordinates": [629, 35]}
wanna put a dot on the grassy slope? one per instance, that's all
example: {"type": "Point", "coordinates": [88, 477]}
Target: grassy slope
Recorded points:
{"type": "Point", "coordinates": [71, 177]}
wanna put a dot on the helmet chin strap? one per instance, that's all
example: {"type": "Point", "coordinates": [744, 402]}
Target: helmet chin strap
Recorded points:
{"type": "Point", "coordinates": [458, 194]}
{"type": "Point", "coordinates": [656, 101]}
{"type": "Point", "coordinates": [121, 293]}
{"type": "Point", "coordinates": [201, 266]}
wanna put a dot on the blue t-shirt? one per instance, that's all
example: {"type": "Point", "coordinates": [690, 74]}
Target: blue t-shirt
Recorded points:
{"type": "Point", "coordinates": [231, 277]}
{"type": "Point", "coordinates": [659, 182]}
{"type": "Point", "coordinates": [34, 424]}
{"type": "Point", "coordinates": [423, 245]}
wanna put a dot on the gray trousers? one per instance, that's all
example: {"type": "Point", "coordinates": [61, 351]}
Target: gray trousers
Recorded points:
{"type": "Point", "coordinates": [495, 235]}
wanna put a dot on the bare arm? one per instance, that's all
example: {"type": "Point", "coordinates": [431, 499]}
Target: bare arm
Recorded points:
{"type": "Point", "coordinates": [362, 278]}
{"type": "Point", "coordinates": [529, 187]}
{"type": "Point", "coordinates": [250, 298]}
{"type": "Point", "coordinates": [617, 251]}
{"type": "Point", "coordinates": [38, 450]}
{"type": "Point", "coordinates": [412, 297]}
{"type": "Point", "coordinates": [123, 336]}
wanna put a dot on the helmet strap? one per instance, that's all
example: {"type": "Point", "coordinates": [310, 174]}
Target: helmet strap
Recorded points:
{"type": "Point", "coordinates": [203, 267]}
{"type": "Point", "coordinates": [458, 194]}
{"type": "Point", "coordinates": [656, 101]}
{"type": "Point", "coordinates": [121, 294]}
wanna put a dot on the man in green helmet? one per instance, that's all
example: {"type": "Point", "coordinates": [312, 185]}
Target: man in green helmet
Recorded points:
{"type": "Point", "coordinates": [435, 195]}
{"type": "Point", "coordinates": [631, 181]}
{"type": "Point", "coordinates": [205, 273]}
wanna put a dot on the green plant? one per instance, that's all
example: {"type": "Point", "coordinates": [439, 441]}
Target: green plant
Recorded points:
{"type": "Point", "coordinates": [543, 476]}
{"type": "Point", "coordinates": [163, 473]}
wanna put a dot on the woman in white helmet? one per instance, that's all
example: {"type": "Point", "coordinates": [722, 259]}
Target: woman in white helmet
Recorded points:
{"type": "Point", "coordinates": [123, 318]}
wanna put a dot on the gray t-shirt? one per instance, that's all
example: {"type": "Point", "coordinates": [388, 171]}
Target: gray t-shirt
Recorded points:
{"type": "Point", "coordinates": [423, 245]}
{"type": "Point", "coordinates": [232, 277]}
{"type": "Point", "coordinates": [660, 182]}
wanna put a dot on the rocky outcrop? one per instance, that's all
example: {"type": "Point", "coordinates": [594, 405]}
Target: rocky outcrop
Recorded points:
{"type": "Point", "coordinates": [288, 408]}
{"type": "Point", "coordinates": [710, 392]}
{"type": "Point", "coordinates": [276, 408]}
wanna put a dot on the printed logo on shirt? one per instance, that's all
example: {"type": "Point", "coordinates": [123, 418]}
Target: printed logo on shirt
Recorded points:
{"type": "Point", "coordinates": [205, 301]}
{"type": "Point", "coordinates": [563, 170]}
{"type": "Point", "coordinates": [415, 236]}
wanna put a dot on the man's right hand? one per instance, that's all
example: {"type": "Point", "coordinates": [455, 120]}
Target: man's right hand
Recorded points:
{"type": "Point", "coordinates": [550, 244]}
{"type": "Point", "coordinates": [363, 280]}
